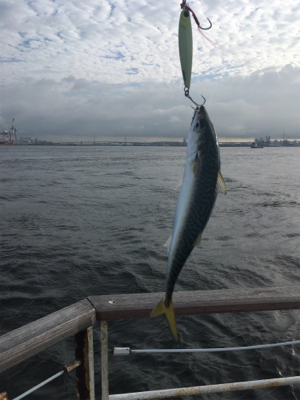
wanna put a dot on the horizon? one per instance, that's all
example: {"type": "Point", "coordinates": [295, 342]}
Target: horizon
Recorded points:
{"type": "Point", "coordinates": [85, 69]}
{"type": "Point", "coordinates": [149, 139]}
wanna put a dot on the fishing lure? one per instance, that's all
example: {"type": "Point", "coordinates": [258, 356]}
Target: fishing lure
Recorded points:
{"type": "Point", "coordinates": [185, 42]}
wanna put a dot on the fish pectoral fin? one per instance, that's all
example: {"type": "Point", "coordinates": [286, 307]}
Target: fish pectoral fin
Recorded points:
{"type": "Point", "coordinates": [195, 166]}
{"type": "Point", "coordinates": [198, 240]}
{"type": "Point", "coordinates": [170, 314]}
{"type": "Point", "coordinates": [168, 242]}
{"type": "Point", "coordinates": [220, 188]}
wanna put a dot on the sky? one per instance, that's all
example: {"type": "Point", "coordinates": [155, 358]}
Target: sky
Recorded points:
{"type": "Point", "coordinates": [79, 70]}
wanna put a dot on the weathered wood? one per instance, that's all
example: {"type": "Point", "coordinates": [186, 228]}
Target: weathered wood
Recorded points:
{"type": "Point", "coordinates": [84, 351]}
{"type": "Point", "coordinates": [104, 361]}
{"type": "Point", "coordinates": [22, 343]}
{"type": "Point", "coordinates": [125, 306]}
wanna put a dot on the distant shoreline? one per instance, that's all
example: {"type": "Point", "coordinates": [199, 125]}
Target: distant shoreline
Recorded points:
{"type": "Point", "coordinates": [159, 144]}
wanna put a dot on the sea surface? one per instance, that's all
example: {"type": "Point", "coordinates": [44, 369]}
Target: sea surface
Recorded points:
{"type": "Point", "coordinates": [82, 221]}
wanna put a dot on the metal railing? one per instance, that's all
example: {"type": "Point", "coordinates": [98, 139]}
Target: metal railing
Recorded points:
{"type": "Point", "coordinates": [68, 368]}
{"type": "Point", "coordinates": [79, 318]}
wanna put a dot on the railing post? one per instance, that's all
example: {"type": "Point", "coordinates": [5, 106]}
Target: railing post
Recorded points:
{"type": "Point", "coordinates": [84, 351]}
{"type": "Point", "coordinates": [104, 360]}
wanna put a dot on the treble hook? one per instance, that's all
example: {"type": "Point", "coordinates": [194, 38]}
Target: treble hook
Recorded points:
{"type": "Point", "coordinates": [187, 94]}
{"type": "Point", "coordinates": [206, 29]}
{"type": "Point", "coordinates": [204, 100]}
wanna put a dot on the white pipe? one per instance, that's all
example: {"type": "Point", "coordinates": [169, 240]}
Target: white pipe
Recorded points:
{"type": "Point", "coordinates": [39, 385]}
{"type": "Point", "coordinates": [225, 387]}
{"type": "Point", "coordinates": [68, 368]}
{"type": "Point", "coordinates": [127, 351]}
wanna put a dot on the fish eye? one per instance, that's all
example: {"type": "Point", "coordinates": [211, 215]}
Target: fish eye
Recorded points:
{"type": "Point", "coordinates": [197, 125]}
{"type": "Point", "coordinates": [186, 13]}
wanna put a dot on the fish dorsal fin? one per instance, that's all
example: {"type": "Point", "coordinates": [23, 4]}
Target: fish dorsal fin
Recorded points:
{"type": "Point", "coordinates": [168, 242]}
{"type": "Point", "coordinates": [198, 240]}
{"type": "Point", "coordinates": [220, 188]}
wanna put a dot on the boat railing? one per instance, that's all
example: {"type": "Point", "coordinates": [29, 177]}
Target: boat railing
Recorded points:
{"type": "Point", "coordinates": [78, 320]}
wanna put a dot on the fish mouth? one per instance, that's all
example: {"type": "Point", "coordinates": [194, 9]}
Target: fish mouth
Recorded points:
{"type": "Point", "coordinates": [202, 112]}
{"type": "Point", "coordinates": [199, 117]}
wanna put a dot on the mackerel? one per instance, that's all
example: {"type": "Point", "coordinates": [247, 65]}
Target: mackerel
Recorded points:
{"type": "Point", "coordinates": [202, 181]}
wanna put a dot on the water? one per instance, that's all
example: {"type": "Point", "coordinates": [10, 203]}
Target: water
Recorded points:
{"type": "Point", "coordinates": [81, 221]}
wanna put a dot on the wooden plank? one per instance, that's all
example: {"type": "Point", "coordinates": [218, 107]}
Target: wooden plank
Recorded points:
{"type": "Point", "coordinates": [84, 351]}
{"type": "Point", "coordinates": [22, 343]}
{"type": "Point", "coordinates": [125, 306]}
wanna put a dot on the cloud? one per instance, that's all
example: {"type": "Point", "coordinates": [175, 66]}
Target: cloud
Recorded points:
{"type": "Point", "coordinates": [109, 67]}
{"type": "Point", "coordinates": [266, 102]}
{"type": "Point", "coordinates": [102, 41]}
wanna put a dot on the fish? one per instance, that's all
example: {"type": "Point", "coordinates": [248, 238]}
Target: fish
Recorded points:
{"type": "Point", "coordinates": [202, 181]}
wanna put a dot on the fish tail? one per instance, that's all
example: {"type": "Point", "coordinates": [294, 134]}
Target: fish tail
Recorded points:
{"type": "Point", "coordinates": [161, 308]}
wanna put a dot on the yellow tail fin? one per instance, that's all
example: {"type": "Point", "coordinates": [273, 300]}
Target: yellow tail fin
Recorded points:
{"type": "Point", "coordinates": [169, 311]}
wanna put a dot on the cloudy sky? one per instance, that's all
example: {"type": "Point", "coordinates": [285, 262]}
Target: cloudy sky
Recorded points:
{"type": "Point", "coordinates": [96, 68]}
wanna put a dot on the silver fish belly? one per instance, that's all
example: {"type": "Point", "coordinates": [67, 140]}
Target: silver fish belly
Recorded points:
{"type": "Point", "coordinates": [202, 181]}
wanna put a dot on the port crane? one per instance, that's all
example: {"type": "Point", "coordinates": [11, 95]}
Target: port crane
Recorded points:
{"type": "Point", "coordinates": [8, 138]}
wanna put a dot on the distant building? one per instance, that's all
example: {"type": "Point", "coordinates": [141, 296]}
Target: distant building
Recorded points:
{"type": "Point", "coordinates": [25, 140]}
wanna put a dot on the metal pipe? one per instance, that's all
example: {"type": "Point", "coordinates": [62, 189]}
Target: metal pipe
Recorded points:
{"type": "Point", "coordinates": [104, 360]}
{"type": "Point", "coordinates": [212, 350]}
{"type": "Point", "coordinates": [66, 369]}
{"type": "Point", "coordinates": [225, 387]}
